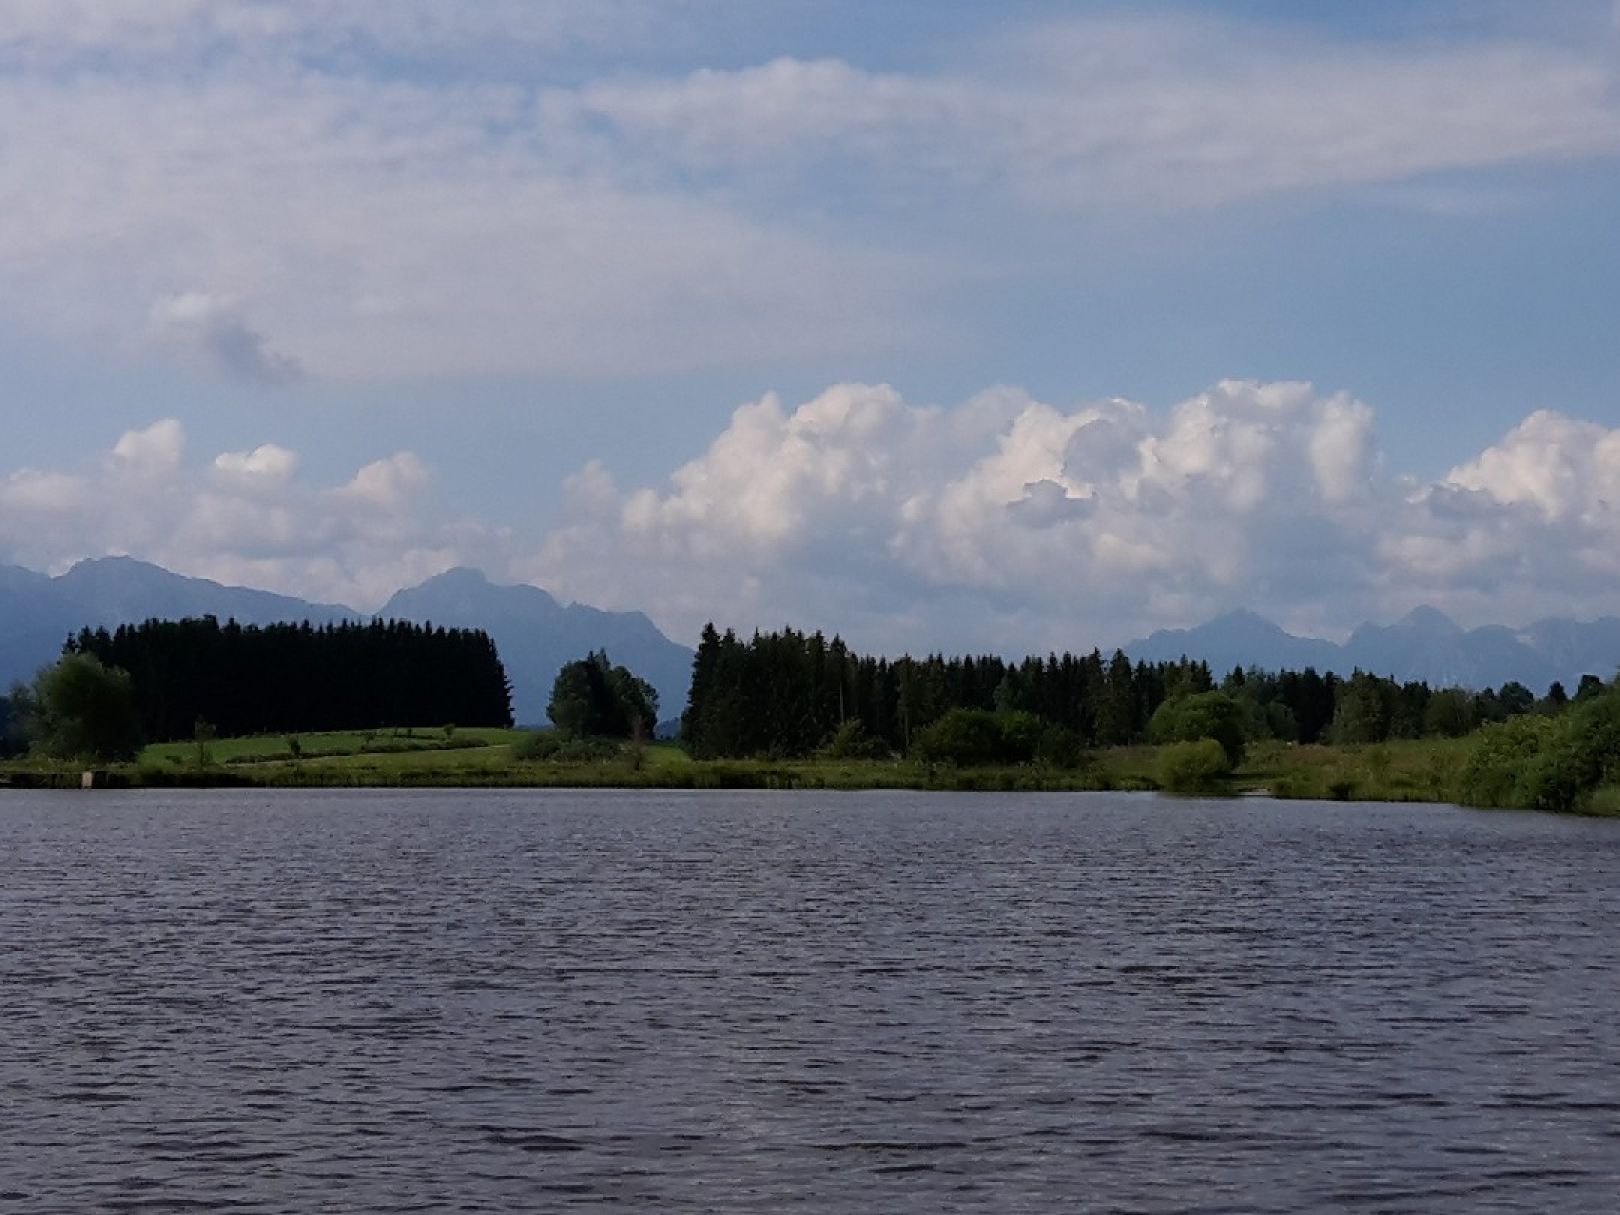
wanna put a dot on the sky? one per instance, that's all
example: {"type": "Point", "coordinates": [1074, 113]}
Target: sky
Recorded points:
{"type": "Point", "coordinates": [935, 323]}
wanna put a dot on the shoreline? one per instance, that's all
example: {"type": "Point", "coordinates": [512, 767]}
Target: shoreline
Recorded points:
{"type": "Point", "coordinates": [1409, 771]}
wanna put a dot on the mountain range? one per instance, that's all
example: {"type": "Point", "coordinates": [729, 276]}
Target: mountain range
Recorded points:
{"type": "Point", "coordinates": [1423, 645]}
{"type": "Point", "coordinates": [536, 636]}
{"type": "Point", "coordinates": [534, 633]}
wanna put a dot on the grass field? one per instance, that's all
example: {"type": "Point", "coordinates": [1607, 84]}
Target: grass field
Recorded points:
{"type": "Point", "coordinates": [1396, 771]}
{"type": "Point", "coordinates": [341, 744]}
{"type": "Point", "coordinates": [1407, 770]}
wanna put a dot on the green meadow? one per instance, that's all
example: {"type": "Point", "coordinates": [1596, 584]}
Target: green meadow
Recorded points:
{"type": "Point", "coordinates": [1425, 770]}
{"type": "Point", "coordinates": [1419, 770]}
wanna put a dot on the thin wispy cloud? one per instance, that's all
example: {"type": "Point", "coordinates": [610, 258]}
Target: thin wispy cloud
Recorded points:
{"type": "Point", "coordinates": [1108, 115]}
{"type": "Point", "coordinates": [367, 224]}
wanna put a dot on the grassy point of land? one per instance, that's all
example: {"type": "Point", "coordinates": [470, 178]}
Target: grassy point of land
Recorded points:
{"type": "Point", "coordinates": [1405, 770]}
{"type": "Point", "coordinates": [1408, 771]}
{"type": "Point", "coordinates": [481, 757]}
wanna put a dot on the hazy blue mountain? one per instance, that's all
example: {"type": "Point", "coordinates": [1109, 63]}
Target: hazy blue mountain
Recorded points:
{"type": "Point", "coordinates": [33, 622]}
{"type": "Point", "coordinates": [1576, 646]}
{"type": "Point", "coordinates": [38, 612]}
{"type": "Point", "coordinates": [536, 636]}
{"type": "Point", "coordinates": [1235, 640]}
{"type": "Point", "coordinates": [119, 590]}
{"type": "Point", "coordinates": [1425, 644]}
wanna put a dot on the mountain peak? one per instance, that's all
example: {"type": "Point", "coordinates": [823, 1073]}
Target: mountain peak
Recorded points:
{"type": "Point", "coordinates": [460, 576]}
{"type": "Point", "coordinates": [467, 596]}
{"type": "Point", "coordinates": [1242, 619]}
{"type": "Point", "coordinates": [1430, 620]}
{"type": "Point", "coordinates": [536, 635]}
{"type": "Point", "coordinates": [117, 565]}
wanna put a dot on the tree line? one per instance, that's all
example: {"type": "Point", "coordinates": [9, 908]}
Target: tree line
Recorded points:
{"type": "Point", "coordinates": [789, 693]}
{"type": "Point", "coordinates": [281, 678]}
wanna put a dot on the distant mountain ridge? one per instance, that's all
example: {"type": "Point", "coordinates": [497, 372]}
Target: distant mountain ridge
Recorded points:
{"type": "Point", "coordinates": [38, 612]}
{"type": "Point", "coordinates": [1425, 644]}
{"type": "Point", "coordinates": [534, 633]}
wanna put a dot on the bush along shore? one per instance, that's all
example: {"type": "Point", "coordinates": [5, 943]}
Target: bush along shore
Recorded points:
{"type": "Point", "coordinates": [1530, 765]}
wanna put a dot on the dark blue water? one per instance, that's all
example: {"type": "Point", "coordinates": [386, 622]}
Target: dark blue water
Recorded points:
{"type": "Point", "coordinates": [525, 1001]}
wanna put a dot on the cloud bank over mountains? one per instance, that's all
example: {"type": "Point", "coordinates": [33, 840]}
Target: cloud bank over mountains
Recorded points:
{"type": "Point", "coordinates": [457, 250]}
{"type": "Point", "coordinates": [242, 518]}
{"type": "Point", "coordinates": [1000, 523]}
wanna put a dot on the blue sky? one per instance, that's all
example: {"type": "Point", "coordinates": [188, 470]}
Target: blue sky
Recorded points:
{"type": "Point", "coordinates": [938, 323]}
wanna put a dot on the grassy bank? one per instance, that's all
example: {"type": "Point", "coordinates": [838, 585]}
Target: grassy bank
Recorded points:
{"type": "Point", "coordinates": [1415, 770]}
{"type": "Point", "coordinates": [1406, 771]}
{"type": "Point", "coordinates": [490, 758]}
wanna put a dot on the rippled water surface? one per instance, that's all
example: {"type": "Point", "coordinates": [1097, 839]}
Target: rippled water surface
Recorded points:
{"type": "Point", "coordinates": [738, 1002]}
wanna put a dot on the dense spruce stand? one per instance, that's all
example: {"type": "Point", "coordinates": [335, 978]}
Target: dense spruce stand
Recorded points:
{"type": "Point", "coordinates": [283, 678]}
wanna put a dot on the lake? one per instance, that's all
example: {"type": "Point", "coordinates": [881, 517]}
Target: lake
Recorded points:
{"type": "Point", "coordinates": [513, 1001]}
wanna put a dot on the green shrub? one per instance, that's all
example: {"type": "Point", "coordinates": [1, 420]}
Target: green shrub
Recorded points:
{"type": "Point", "coordinates": [1606, 801]}
{"type": "Point", "coordinates": [1190, 767]}
{"type": "Point", "coordinates": [1547, 763]}
{"type": "Point", "coordinates": [1059, 747]}
{"type": "Point", "coordinates": [1496, 773]}
{"type": "Point", "coordinates": [1021, 735]}
{"type": "Point", "coordinates": [979, 738]}
{"type": "Point", "coordinates": [1213, 715]}
{"type": "Point", "coordinates": [968, 738]}
{"type": "Point", "coordinates": [548, 746]}
{"type": "Point", "coordinates": [851, 741]}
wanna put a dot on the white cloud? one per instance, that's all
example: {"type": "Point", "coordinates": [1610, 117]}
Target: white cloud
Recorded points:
{"type": "Point", "coordinates": [400, 188]}
{"type": "Point", "coordinates": [73, 32]}
{"type": "Point", "coordinates": [1003, 522]}
{"type": "Point", "coordinates": [1168, 113]}
{"type": "Point", "coordinates": [1530, 526]}
{"type": "Point", "coordinates": [1567, 469]}
{"type": "Point", "coordinates": [31, 492]}
{"type": "Point", "coordinates": [243, 517]}
{"type": "Point", "coordinates": [387, 483]}
{"type": "Point", "coordinates": [272, 220]}
{"type": "Point", "coordinates": [152, 453]}
{"type": "Point", "coordinates": [1007, 521]}
{"type": "Point", "coordinates": [268, 466]}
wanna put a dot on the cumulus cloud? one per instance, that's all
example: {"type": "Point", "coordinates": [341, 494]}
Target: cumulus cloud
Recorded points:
{"type": "Point", "coordinates": [389, 483]}
{"type": "Point", "coordinates": [244, 517]}
{"type": "Point", "coordinates": [1529, 526]}
{"type": "Point", "coordinates": [1009, 522]}
{"type": "Point", "coordinates": [1003, 522]}
{"type": "Point", "coordinates": [152, 453]}
{"type": "Point", "coordinates": [30, 491]}
{"type": "Point", "coordinates": [268, 466]}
